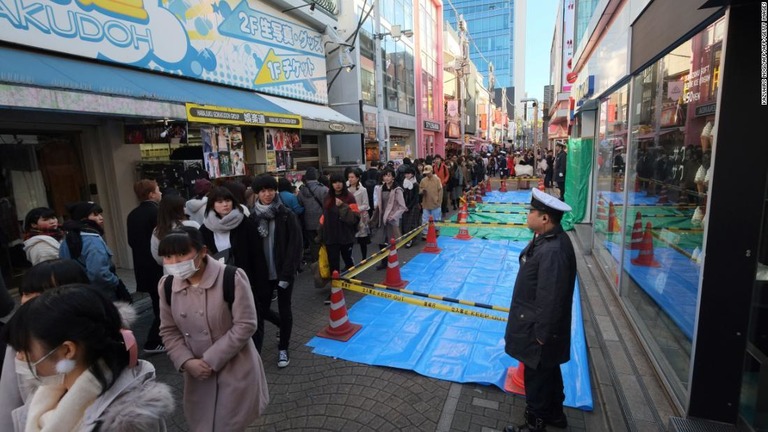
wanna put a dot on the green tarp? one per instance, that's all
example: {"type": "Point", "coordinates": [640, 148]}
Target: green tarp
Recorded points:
{"type": "Point", "coordinates": [577, 179]}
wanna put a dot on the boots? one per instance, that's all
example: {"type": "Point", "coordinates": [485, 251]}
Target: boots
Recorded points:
{"type": "Point", "coordinates": [532, 424]}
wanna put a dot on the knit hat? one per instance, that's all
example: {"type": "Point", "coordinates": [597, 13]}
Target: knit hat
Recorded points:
{"type": "Point", "coordinates": [202, 186]}
{"type": "Point", "coordinates": [264, 181]}
{"type": "Point", "coordinates": [81, 210]}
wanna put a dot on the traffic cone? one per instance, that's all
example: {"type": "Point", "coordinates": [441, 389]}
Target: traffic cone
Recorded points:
{"type": "Point", "coordinates": [479, 194]}
{"type": "Point", "coordinates": [481, 187]}
{"type": "Point", "coordinates": [488, 187]}
{"type": "Point", "coordinates": [613, 223]}
{"type": "Point", "coordinates": [645, 258]}
{"type": "Point", "coordinates": [503, 187]}
{"type": "Point", "coordinates": [663, 198]}
{"type": "Point", "coordinates": [431, 246]}
{"type": "Point", "coordinates": [515, 381]}
{"type": "Point", "coordinates": [339, 327]}
{"type": "Point", "coordinates": [541, 186]}
{"type": "Point", "coordinates": [393, 278]}
{"type": "Point", "coordinates": [463, 232]}
{"type": "Point", "coordinates": [602, 213]}
{"type": "Point", "coordinates": [637, 233]}
{"type": "Point", "coordinates": [463, 214]}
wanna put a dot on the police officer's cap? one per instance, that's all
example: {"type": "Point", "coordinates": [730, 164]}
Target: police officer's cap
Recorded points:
{"type": "Point", "coordinates": [542, 201]}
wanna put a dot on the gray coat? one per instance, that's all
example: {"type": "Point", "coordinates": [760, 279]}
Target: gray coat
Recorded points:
{"type": "Point", "coordinates": [542, 301]}
{"type": "Point", "coordinates": [311, 196]}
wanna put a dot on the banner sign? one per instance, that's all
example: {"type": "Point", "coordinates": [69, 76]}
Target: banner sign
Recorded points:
{"type": "Point", "coordinates": [226, 41]}
{"type": "Point", "coordinates": [232, 116]}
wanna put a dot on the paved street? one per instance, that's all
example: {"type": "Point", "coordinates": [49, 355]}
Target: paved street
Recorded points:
{"type": "Point", "coordinates": [321, 393]}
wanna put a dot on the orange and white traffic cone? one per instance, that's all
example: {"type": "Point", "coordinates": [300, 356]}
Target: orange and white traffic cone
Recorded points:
{"type": "Point", "coordinates": [645, 258]}
{"type": "Point", "coordinates": [339, 327]}
{"type": "Point", "coordinates": [602, 213]}
{"type": "Point", "coordinates": [541, 186]}
{"type": "Point", "coordinates": [613, 222]}
{"type": "Point", "coordinates": [479, 194]}
{"type": "Point", "coordinates": [663, 197]}
{"type": "Point", "coordinates": [481, 187]}
{"type": "Point", "coordinates": [488, 187]}
{"type": "Point", "coordinates": [503, 187]}
{"type": "Point", "coordinates": [515, 381]}
{"type": "Point", "coordinates": [463, 231]}
{"type": "Point", "coordinates": [393, 278]}
{"type": "Point", "coordinates": [637, 233]}
{"type": "Point", "coordinates": [431, 246]}
{"type": "Point", "coordinates": [463, 214]}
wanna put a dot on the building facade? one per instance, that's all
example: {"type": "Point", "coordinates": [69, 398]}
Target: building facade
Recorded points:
{"type": "Point", "coordinates": [662, 92]}
{"type": "Point", "coordinates": [94, 97]}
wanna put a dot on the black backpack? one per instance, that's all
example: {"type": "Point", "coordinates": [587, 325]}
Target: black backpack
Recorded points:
{"type": "Point", "coordinates": [229, 286]}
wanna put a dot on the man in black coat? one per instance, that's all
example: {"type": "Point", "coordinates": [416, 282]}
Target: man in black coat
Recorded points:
{"type": "Point", "coordinates": [141, 223]}
{"type": "Point", "coordinates": [560, 162]}
{"type": "Point", "coordinates": [539, 325]}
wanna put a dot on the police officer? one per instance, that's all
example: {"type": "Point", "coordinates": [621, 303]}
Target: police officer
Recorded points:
{"type": "Point", "coordinates": [539, 325]}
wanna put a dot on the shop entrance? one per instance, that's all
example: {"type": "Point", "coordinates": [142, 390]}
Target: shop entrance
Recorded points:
{"type": "Point", "coordinates": [35, 171]}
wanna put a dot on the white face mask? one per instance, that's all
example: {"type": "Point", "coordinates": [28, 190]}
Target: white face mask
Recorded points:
{"type": "Point", "coordinates": [63, 367]}
{"type": "Point", "coordinates": [182, 270]}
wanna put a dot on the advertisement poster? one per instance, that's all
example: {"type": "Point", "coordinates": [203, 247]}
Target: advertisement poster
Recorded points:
{"type": "Point", "coordinates": [279, 144]}
{"type": "Point", "coordinates": [228, 42]}
{"type": "Point", "coordinates": [171, 133]}
{"type": "Point", "coordinates": [223, 151]}
{"type": "Point", "coordinates": [452, 120]}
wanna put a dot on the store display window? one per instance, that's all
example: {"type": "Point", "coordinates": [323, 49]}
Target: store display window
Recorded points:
{"type": "Point", "coordinates": [668, 169]}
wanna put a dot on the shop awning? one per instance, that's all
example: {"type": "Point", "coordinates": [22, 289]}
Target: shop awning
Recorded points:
{"type": "Point", "coordinates": [41, 81]}
{"type": "Point", "coordinates": [318, 117]}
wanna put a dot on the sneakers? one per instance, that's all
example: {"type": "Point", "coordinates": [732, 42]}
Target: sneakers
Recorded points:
{"type": "Point", "coordinates": [282, 359]}
{"type": "Point", "coordinates": [327, 300]}
{"type": "Point", "coordinates": [154, 349]}
{"type": "Point", "coordinates": [408, 244]}
{"type": "Point", "coordinates": [274, 295]}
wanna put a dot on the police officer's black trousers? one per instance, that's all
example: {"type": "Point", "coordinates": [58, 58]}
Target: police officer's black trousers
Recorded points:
{"type": "Point", "coordinates": [544, 391]}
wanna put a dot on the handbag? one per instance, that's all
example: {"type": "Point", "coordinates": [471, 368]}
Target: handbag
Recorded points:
{"type": "Point", "coordinates": [323, 263]}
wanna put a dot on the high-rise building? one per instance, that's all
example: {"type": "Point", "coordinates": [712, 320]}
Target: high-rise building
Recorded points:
{"type": "Point", "coordinates": [497, 34]}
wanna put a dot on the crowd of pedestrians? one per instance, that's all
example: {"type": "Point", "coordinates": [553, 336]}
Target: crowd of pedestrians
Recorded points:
{"type": "Point", "coordinates": [212, 266]}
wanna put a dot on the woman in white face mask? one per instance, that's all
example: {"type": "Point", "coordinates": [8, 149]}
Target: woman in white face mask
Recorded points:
{"type": "Point", "coordinates": [208, 336]}
{"type": "Point", "coordinates": [71, 339]}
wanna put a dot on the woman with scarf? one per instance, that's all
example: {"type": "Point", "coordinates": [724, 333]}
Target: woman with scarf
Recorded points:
{"type": "Point", "coordinates": [363, 234]}
{"type": "Point", "coordinates": [73, 341]}
{"type": "Point", "coordinates": [282, 243]}
{"type": "Point", "coordinates": [84, 244]}
{"type": "Point", "coordinates": [42, 235]}
{"type": "Point", "coordinates": [390, 206]}
{"type": "Point", "coordinates": [412, 216]}
{"type": "Point", "coordinates": [231, 238]}
{"type": "Point", "coordinates": [340, 217]}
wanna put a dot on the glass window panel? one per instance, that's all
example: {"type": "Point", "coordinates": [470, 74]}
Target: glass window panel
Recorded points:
{"type": "Point", "coordinates": [668, 172]}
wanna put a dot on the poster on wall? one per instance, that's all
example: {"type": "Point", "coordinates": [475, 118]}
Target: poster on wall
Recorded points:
{"type": "Point", "coordinates": [223, 151]}
{"type": "Point", "coordinates": [279, 144]}
{"type": "Point", "coordinates": [227, 42]}
{"type": "Point", "coordinates": [170, 133]}
{"type": "Point", "coordinates": [452, 120]}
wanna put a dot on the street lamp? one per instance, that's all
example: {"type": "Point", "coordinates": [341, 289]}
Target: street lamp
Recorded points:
{"type": "Point", "coordinates": [396, 33]}
{"type": "Point", "coordinates": [535, 115]}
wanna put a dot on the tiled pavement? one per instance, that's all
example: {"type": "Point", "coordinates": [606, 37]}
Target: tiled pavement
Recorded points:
{"type": "Point", "coordinates": [322, 393]}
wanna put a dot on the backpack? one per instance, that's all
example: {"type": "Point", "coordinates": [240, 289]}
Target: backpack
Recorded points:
{"type": "Point", "coordinates": [229, 286]}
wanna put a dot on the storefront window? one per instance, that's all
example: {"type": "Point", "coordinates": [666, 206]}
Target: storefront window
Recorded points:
{"type": "Point", "coordinates": [668, 169]}
{"type": "Point", "coordinates": [611, 167]}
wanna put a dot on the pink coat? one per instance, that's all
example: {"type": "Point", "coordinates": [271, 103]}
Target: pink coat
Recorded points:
{"type": "Point", "coordinates": [198, 324]}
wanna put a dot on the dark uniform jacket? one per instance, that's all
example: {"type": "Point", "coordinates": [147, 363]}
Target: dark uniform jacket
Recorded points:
{"type": "Point", "coordinates": [560, 163]}
{"type": "Point", "coordinates": [141, 223]}
{"type": "Point", "coordinates": [542, 300]}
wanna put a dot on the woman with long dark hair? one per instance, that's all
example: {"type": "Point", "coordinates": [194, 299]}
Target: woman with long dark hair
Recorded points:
{"type": "Point", "coordinates": [340, 217]}
{"type": "Point", "coordinates": [208, 336]}
{"type": "Point", "coordinates": [170, 216]}
{"type": "Point", "coordinates": [391, 206]}
{"type": "Point", "coordinates": [363, 231]}
{"type": "Point", "coordinates": [72, 340]}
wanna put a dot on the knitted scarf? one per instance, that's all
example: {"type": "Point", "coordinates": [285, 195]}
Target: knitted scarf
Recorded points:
{"type": "Point", "coordinates": [263, 213]}
{"type": "Point", "coordinates": [223, 224]}
{"type": "Point", "coordinates": [58, 234]}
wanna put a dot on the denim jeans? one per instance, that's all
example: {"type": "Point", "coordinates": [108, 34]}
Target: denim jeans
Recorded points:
{"type": "Point", "coordinates": [436, 214]}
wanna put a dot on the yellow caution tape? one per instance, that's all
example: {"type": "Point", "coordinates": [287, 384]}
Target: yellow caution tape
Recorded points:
{"type": "Point", "coordinates": [423, 303]}
{"type": "Point", "coordinates": [382, 254]}
{"type": "Point", "coordinates": [478, 224]}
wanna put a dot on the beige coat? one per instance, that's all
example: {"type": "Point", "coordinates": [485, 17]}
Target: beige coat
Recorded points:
{"type": "Point", "coordinates": [198, 324]}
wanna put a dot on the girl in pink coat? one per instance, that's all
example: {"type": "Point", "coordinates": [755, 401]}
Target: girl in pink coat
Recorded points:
{"type": "Point", "coordinates": [209, 340]}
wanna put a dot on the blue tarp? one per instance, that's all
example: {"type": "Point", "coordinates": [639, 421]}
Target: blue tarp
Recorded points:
{"type": "Point", "coordinates": [451, 346]}
{"type": "Point", "coordinates": [673, 285]}
{"type": "Point", "coordinates": [511, 197]}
